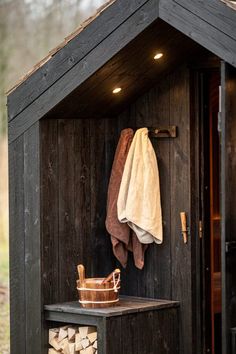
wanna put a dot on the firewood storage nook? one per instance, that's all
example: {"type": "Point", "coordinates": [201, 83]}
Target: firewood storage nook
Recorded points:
{"type": "Point", "coordinates": [64, 125]}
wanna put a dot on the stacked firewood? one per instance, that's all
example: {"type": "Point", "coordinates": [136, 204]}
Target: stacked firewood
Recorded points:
{"type": "Point", "coordinates": [73, 340]}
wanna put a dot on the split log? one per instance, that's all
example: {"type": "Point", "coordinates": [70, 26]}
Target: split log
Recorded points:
{"type": "Point", "coordinates": [53, 332]}
{"type": "Point", "coordinates": [53, 351]}
{"type": "Point", "coordinates": [73, 340]}
{"type": "Point", "coordinates": [66, 349]}
{"type": "Point", "coordinates": [72, 348]}
{"type": "Point", "coordinates": [54, 343]}
{"type": "Point", "coordinates": [71, 333]}
{"type": "Point", "coordinates": [92, 337]}
{"type": "Point", "coordinates": [85, 330]}
{"type": "Point", "coordinates": [63, 343]}
{"type": "Point", "coordinates": [63, 333]}
{"type": "Point", "coordinates": [88, 350]}
{"type": "Point", "coordinates": [78, 345]}
{"type": "Point", "coordinates": [85, 343]}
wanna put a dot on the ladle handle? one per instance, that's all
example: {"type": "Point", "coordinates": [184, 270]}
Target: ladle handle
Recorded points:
{"type": "Point", "coordinates": [110, 276]}
{"type": "Point", "coordinates": [81, 272]}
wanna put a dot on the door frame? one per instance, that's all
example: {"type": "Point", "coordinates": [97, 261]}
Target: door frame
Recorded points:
{"type": "Point", "coordinates": [200, 191]}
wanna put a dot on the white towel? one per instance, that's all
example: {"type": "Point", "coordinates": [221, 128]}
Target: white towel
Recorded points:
{"type": "Point", "coordinates": [139, 202]}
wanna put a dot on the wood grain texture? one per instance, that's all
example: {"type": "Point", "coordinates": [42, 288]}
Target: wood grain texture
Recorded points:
{"type": "Point", "coordinates": [180, 201]}
{"type": "Point", "coordinates": [146, 333]}
{"type": "Point", "coordinates": [93, 61]}
{"type": "Point", "coordinates": [196, 201]}
{"type": "Point", "coordinates": [133, 70]}
{"type": "Point", "coordinates": [218, 19]}
{"type": "Point", "coordinates": [202, 32]}
{"type": "Point", "coordinates": [82, 193]}
{"type": "Point", "coordinates": [75, 164]}
{"type": "Point", "coordinates": [49, 214]}
{"type": "Point", "coordinates": [17, 246]}
{"type": "Point", "coordinates": [127, 305]}
{"type": "Point", "coordinates": [32, 239]}
{"type": "Point", "coordinates": [68, 251]}
{"type": "Point", "coordinates": [214, 13]}
{"type": "Point", "coordinates": [153, 109]}
{"type": "Point", "coordinates": [49, 217]}
{"type": "Point", "coordinates": [228, 195]}
{"type": "Point", "coordinates": [74, 51]}
{"type": "Point", "coordinates": [75, 174]}
{"type": "Point", "coordinates": [99, 183]}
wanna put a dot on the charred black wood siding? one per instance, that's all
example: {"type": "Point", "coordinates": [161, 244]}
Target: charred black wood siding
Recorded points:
{"type": "Point", "coordinates": [76, 49]}
{"type": "Point", "coordinates": [25, 275]}
{"type": "Point", "coordinates": [93, 61]}
{"type": "Point", "coordinates": [228, 201]}
{"type": "Point", "coordinates": [204, 26]}
{"type": "Point", "coordinates": [75, 174]}
{"type": "Point", "coordinates": [71, 161]}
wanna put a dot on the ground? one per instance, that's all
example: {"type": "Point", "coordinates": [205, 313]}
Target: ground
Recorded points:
{"type": "Point", "coordinates": [4, 263]}
{"type": "Point", "coordinates": [4, 304]}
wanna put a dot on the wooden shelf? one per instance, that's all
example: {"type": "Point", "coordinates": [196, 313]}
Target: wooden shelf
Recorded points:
{"type": "Point", "coordinates": [156, 320]}
{"type": "Point", "coordinates": [126, 305]}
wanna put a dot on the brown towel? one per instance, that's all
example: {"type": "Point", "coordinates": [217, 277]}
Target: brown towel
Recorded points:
{"type": "Point", "coordinates": [122, 238]}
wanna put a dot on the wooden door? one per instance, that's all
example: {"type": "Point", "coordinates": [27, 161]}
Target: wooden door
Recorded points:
{"type": "Point", "coordinates": [228, 202]}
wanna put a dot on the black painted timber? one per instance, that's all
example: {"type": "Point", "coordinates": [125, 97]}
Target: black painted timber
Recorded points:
{"type": "Point", "coordinates": [214, 12]}
{"type": "Point", "coordinates": [93, 61]}
{"type": "Point", "coordinates": [228, 200]}
{"type": "Point", "coordinates": [70, 55]}
{"type": "Point", "coordinates": [135, 325]}
{"type": "Point", "coordinates": [25, 259]}
{"type": "Point", "coordinates": [17, 246]}
{"type": "Point", "coordinates": [75, 63]}
{"type": "Point", "coordinates": [126, 305]}
{"type": "Point", "coordinates": [192, 19]}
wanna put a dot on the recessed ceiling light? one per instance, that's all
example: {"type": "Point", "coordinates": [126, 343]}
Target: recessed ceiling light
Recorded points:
{"type": "Point", "coordinates": [117, 90]}
{"type": "Point", "coordinates": [158, 56]}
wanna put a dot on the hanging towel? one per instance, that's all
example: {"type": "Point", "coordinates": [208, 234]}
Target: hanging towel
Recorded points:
{"type": "Point", "coordinates": [122, 237]}
{"type": "Point", "coordinates": [139, 203]}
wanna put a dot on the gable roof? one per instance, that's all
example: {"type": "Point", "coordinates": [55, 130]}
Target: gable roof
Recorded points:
{"type": "Point", "coordinates": [211, 24]}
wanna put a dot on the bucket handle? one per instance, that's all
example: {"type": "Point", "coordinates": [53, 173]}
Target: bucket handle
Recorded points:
{"type": "Point", "coordinates": [116, 280]}
{"type": "Point", "coordinates": [110, 276]}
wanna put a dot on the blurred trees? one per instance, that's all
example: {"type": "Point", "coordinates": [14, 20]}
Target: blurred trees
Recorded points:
{"type": "Point", "coordinates": [28, 30]}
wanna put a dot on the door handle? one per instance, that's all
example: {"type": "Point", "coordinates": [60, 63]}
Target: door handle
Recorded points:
{"type": "Point", "coordinates": [183, 218]}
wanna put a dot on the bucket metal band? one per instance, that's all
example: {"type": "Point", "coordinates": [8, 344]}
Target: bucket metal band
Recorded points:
{"type": "Point", "coordinates": [98, 302]}
{"type": "Point", "coordinates": [92, 289]}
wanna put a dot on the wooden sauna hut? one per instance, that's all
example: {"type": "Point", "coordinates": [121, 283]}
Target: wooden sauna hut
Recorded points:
{"type": "Point", "coordinates": [64, 125]}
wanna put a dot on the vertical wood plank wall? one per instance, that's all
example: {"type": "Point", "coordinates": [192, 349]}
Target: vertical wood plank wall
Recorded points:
{"type": "Point", "coordinates": [25, 296]}
{"type": "Point", "coordinates": [228, 202]}
{"type": "Point", "coordinates": [76, 160]}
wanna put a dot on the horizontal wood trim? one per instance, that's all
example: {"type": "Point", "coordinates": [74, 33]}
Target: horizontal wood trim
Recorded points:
{"type": "Point", "coordinates": [199, 30]}
{"type": "Point", "coordinates": [70, 55]}
{"type": "Point", "coordinates": [146, 15]}
{"type": "Point", "coordinates": [71, 318]}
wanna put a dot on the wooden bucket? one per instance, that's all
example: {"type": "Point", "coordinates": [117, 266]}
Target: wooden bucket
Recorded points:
{"type": "Point", "coordinates": [99, 292]}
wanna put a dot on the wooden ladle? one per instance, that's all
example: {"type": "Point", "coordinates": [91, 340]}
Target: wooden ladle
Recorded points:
{"type": "Point", "coordinates": [81, 272]}
{"type": "Point", "coordinates": [110, 276]}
